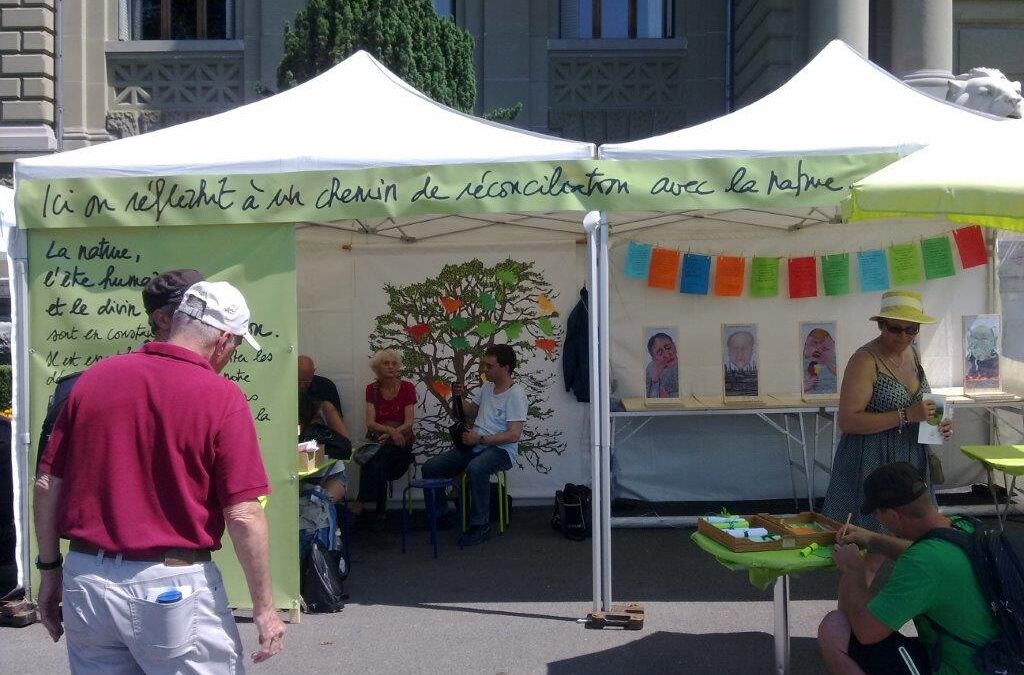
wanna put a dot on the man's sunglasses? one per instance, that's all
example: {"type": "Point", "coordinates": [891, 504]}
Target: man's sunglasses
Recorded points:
{"type": "Point", "coordinates": [896, 330]}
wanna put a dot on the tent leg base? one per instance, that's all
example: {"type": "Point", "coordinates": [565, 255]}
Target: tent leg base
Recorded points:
{"type": "Point", "coordinates": [627, 617]}
{"type": "Point", "coordinates": [18, 613]}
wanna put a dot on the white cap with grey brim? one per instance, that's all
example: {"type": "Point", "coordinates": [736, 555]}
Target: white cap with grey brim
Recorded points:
{"type": "Point", "coordinates": [221, 305]}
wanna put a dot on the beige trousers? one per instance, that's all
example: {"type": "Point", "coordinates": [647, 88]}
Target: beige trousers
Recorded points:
{"type": "Point", "coordinates": [113, 623]}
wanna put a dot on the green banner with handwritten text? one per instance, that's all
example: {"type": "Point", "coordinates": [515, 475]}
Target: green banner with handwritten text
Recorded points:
{"type": "Point", "coordinates": [319, 196]}
{"type": "Point", "coordinates": [85, 303]}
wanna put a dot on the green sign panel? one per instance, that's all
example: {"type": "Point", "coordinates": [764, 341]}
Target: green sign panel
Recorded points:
{"type": "Point", "coordinates": [85, 303]}
{"type": "Point", "coordinates": [317, 196]}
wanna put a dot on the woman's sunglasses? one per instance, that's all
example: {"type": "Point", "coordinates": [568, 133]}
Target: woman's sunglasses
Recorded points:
{"type": "Point", "coordinates": [896, 330]}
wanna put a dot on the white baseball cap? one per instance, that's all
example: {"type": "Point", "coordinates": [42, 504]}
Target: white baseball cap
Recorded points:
{"type": "Point", "coordinates": [221, 305]}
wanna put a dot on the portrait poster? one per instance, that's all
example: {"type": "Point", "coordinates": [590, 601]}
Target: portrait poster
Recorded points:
{"type": "Point", "coordinates": [982, 346]}
{"type": "Point", "coordinates": [819, 375]}
{"type": "Point", "coordinates": [739, 362]}
{"type": "Point", "coordinates": [661, 365]}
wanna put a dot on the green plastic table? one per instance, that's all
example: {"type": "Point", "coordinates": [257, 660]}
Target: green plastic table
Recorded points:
{"type": "Point", "coordinates": [1008, 459]}
{"type": "Point", "coordinates": [765, 568]}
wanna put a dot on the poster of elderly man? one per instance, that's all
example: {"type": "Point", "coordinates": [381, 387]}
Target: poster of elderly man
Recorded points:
{"type": "Point", "coordinates": [739, 362]}
{"type": "Point", "coordinates": [981, 353]}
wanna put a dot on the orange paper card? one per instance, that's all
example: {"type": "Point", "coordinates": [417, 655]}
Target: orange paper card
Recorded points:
{"type": "Point", "coordinates": [664, 271]}
{"type": "Point", "coordinates": [729, 275]}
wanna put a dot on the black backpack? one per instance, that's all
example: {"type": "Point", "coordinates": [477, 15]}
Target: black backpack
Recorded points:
{"type": "Point", "coordinates": [997, 558]}
{"type": "Point", "coordinates": [571, 515]}
{"type": "Point", "coordinates": [320, 583]}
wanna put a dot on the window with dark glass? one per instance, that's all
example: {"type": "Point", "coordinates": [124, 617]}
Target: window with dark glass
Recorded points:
{"type": "Point", "coordinates": [616, 19]}
{"type": "Point", "coordinates": [181, 19]}
{"type": "Point", "coordinates": [445, 8]}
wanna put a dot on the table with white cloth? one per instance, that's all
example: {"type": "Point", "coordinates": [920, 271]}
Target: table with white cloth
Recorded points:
{"type": "Point", "coordinates": [798, 421]}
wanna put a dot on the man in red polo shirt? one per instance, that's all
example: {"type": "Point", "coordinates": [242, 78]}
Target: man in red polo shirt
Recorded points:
{"type": "Point", "coordinates": [152, 455]}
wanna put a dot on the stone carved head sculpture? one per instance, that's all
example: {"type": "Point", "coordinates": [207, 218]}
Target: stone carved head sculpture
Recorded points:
{"type": "Point", "coordinates": [986, 90]}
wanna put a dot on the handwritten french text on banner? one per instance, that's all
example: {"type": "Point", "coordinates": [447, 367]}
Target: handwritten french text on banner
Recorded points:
{"type": "Point", "coordinates": [315, 196]}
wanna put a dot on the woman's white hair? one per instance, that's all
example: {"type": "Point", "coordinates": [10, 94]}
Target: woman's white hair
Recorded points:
{"type": "Point", "coordinates": [383, 355]}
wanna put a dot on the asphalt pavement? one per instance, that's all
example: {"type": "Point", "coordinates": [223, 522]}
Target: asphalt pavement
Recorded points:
{"type": "Point", "coordinates": [514, 605]}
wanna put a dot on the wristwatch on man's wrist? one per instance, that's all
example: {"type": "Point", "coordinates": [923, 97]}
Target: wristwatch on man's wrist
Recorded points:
{"type": "Point", "coordinates": [56, 564]}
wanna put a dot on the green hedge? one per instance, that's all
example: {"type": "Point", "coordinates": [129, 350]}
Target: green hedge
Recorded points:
{"type": "Point", "coordinates": [5, 386]}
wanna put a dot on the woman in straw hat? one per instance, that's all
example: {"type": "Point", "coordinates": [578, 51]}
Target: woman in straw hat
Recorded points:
{"type": "Point", "coordinates": [880, 406]}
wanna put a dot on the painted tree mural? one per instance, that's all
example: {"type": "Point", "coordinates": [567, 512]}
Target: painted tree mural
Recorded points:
{"type": "Point", "coordinates": [441, 327]}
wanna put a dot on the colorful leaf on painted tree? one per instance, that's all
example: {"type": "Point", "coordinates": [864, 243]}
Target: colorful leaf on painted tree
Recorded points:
{"type": "Point", "coordinates": [507, 277]}
{"type": "Point", "coordinates": [451, 305]}
{"type": "Point", "coordinates": [513, 330]}
{"type": "Point", "coordinates": [546, 326]}
{"type": "Point", "coordinates": [549, 346]}
{"type": "Point", "coordinates": [487, 302]}
{"type": "Point", "coordinates": [418, 331]}
{"type": "Point", "coordinates": [458, 323]}
{"type": "Point", "coordinates": [546, 306]}
{"type": "Point", "coordinates": [459, 343]}
{"type": "Point", "coordinates": [443, 389]}
{"type": "Point", "coordinates": [485, 328]}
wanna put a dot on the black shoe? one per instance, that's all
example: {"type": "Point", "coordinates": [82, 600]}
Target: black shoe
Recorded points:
{"type": "Point", "coordinates": [477, 534]}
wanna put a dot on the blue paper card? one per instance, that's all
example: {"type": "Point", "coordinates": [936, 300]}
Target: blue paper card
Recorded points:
{"type": "Point", "coordinates": [696, 273]}
{"type": "Point", "coordinates": [638, 260]}
{"type": "Point", "coordinates": [874, 271]}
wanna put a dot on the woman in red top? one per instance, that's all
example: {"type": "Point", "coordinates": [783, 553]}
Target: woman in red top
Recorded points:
{"type": "Point", "coordinates": [389, 418]}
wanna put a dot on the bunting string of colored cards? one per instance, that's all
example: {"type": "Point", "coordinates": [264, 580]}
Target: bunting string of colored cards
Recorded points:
{"type": "Point", "coordinates": [877, 269]}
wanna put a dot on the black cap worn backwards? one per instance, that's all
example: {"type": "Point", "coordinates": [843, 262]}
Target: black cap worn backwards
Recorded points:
{"type": "Point", "coordinates": [891, 486]}
{"type": "Point", "coordinates": [168, 288]}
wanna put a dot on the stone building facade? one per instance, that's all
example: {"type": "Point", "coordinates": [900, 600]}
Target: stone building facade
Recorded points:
{"type": "Point", "coordinates": [600, 70]}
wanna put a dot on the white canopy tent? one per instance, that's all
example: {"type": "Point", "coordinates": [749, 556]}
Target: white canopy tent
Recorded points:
{"type": "Point", "coordinates": [839, 108]}
{"type": "Point", "coordinates": [356, 117]}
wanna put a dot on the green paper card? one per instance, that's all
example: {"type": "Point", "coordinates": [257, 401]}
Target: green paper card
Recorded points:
{"type": "Point", "coordinates": [938, 257]}
{"type": "Point", "coordinates": [513, 330]}
{"type": "Point", "coordinates": [905, 264]}
{"type": "Point", "coordinates": [487, 302]}
{"type": "Point", "coordinates": [764, 277]}
{"type": "Point", "coordinates": [835, 273]}
{"type": "Point", "coordinates": [545, 325]}
{"type": "Point", "coordinates": [458, 323]}
{"type": "Point", "coordinates": [460, 343]}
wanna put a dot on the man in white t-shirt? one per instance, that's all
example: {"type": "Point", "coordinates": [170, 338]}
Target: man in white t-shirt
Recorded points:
{"type": "Point", "coordinates": [500, 408]}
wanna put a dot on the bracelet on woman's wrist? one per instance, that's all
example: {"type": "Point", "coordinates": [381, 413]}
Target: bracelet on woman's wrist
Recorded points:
{"type": "Point", "coordinates": [903, 419]}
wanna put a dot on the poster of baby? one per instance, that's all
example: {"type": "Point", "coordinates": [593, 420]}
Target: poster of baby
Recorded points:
{"type": "Point", "coordinates": [818, 374]}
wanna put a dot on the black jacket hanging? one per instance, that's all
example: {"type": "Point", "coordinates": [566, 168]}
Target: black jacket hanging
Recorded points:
{"type": "Point", "coordinates": [576, 353]}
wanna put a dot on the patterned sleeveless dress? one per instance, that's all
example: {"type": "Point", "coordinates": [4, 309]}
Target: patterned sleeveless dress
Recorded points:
{"type": "Point", "coordinates": [857, 455]}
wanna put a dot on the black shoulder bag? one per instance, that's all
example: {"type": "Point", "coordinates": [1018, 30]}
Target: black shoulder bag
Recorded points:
{"type": "Point", "coordinates": [456, 430]}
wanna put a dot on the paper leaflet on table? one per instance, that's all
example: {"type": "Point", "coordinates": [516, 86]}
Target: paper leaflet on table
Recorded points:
{"type": "Point", "coordinates": [928, 431]}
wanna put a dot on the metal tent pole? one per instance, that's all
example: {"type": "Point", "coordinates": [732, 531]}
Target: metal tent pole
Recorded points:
{"type": "Point", "coordinates": [20, 436]}
{"type": "Point", "coordinates": [605, 418]}
{"type": "Point", "coordinates": [590, 224]}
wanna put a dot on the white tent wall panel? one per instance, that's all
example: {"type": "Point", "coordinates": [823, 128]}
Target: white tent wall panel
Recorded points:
{"type": "Point", "coordinates": [340, 295]}
{"type": "Point", "coordinates": [704, 458]}
{"type": "Point", "coordinates": [657, 463]}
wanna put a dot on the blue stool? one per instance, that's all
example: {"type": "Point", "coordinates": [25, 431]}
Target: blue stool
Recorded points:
{"type": "Point", "coordinates": [430, 486]}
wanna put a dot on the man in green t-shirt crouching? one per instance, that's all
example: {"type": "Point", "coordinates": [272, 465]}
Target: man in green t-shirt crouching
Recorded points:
{"type": "Point", "coordinates": [932, 583]}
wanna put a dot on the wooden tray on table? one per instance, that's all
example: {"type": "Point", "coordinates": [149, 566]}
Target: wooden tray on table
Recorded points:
{"type": "Point", "coordinates": [796, 532]}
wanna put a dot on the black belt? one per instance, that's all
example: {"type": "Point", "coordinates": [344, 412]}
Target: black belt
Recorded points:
{"type": "Point", "coordinates": [172, 557]}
